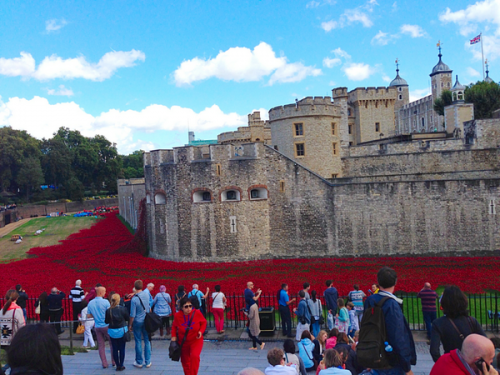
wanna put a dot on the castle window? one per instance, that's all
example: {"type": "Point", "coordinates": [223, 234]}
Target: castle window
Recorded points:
{"type": "Point", "coordinates": [348, 111]}
{"type": "Point", "coordinates": [282, 186]}
{"type": "Point", "coordinates": [202, 196]}
{"type": "Point", "coordinates": [335, 175]}
{"type": "Point", "coordinates": [448, 84]}
{"type": "Point", "coordinates": [276, 147]}
{"type": "Point", "coordinates": [148, 198]}
{"type": "Point", "coordinates": [230, 195]}
{"type": "Point", "coordinates": [366, 104]}
{"type": "Point", "coordinates": [400, 97]}
{"type": "Point", "coordinates": [218, 169]}
{"type": "Point", "coordinates": [334, 148]}
{"type": "Point", "coordinates": [377, 126]}
{"type": "Point", "coordinates": [299, 129]}
{"type": "Point", "coordinates": [442, 84]}
{"type": "Point", "coordinates": [334, 128]}
{"type": "Point", "coordinates": [160, 198]}
{"type": "Point", "coordinates": [351, 143]}
{"type": "Point", "coordinates": [350, 129]}
{"type": "Point", "coordinates": [258, 194]}
{"type": "Point", "coordinates": [492, 209]}
{"type": "Point", "coordinates": [206, 196]}
{"type": "Point", "coordinates": [400, 89]}
{"type": "Point", "coordinates": [300, 149]}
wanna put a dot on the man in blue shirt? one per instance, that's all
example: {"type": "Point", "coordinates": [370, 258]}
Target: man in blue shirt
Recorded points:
{"type": "Point", "coordinates": [286, 318]}
{"type": "Point", "coordinates": [138, 306]}
{"type": "Point", "coordinates": [331, 297]}
{"type": "Point", "coordinates": [97, 308]}
{"type": "Point", "coordinates": [200, 296]}
{"type": "Point", "coordinates": [250, 297]}
{"type": "Point", "coordinates": [303, 314]}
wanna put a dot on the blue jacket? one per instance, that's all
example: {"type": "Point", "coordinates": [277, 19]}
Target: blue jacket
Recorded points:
{"type": "Point", "coordinates": [331, 297]}
{"type": "Point", "coordinates": [306, 348]}
{"type": "Point", "coordinates": [303, 311]}
{"type": "Point", "coordinates": [398, 331]}
{"type": "Point", "coordinates": [162, 303]}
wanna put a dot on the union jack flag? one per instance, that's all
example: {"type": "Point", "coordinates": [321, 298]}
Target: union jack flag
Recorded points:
{"type": "Point", "coordinates": [477, 39]}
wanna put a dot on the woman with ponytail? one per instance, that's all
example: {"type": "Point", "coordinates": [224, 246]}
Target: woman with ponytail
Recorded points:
{"type": "Point", "coordinates": [12, 318]}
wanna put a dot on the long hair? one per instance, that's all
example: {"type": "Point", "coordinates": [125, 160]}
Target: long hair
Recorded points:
{"type": "Point", "coordinates": [10, 296]}
{"type": "Point", "coordinates": [332, 358]}
{"type": "Point", "coordinates": [313, 296]}
{"type": "Point", "coordinates": [454, 302]}
{"type": "Point", "coordinates": [35, 347]}
{"type": "Point", "coordinates": [322, 334]}
{"type": "Point", "coordinates": [115, 300]}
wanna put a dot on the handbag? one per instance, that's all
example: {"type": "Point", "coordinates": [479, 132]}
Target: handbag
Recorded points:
{"type": "Point", "coordinates": [321, 320]}
{"type": "Point", "coordinates": [152, 321]}
{"type": "Point", "coordinates": [126, 335]}
{"type": "Point", "coordinates": [80, 329]}
{"type": "Point", "coordinates": [174, 350]}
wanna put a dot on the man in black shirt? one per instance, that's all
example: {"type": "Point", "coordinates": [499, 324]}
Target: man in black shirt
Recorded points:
{"type": "Point", "coordinates": [77, 295]}
{"type": "Point", "coordinates": [56, 310]}
{"type": "Point", "coordinates": [21, 301]}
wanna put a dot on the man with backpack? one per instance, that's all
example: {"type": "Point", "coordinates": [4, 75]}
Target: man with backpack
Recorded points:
{"type": "Point", "coordinates": [197, 298]}
{"type": "Point", "coordinates": [136, 324]}
{"type": "Point", "coordinates": [385, 340]}
{"type": "Point", "coordinates": [303, 315]}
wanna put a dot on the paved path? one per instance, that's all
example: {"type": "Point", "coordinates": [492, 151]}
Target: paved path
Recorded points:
{"type": "Point", "coordinates": [10, 227]}
{"type": "Point", "coordinates": [217, 358]}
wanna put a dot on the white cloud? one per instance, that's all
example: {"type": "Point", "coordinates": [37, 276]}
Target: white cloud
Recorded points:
{"type": "Point", "coordinates": [418, 94]}
{"type": "Point", "coordinates": [242, 64]}
{"type": "Point", "coordinates": [53, 67]}
{"type": "Point", "coordinates": [54, 25]}
{"type": "Point", "coordinates": [264, 113]}
{"type": "Point", "coordinates": [40, 118]}
{"type": "Point", "coordinates": [312, 4]}
{"type": "Point", "coordinates": [339, 52]}
{"type": "Point", "coordinates": [62, 91]}
{"type": "Point", "coordinates": [359, 14]}
{"type": "Point", "coordinates": [330, 63]}
{"type": "Point", "coordinates": [382, 39]}
{"type": "Point", "coordinates": [386, 78]}
{"type": "Point", "coordinates": [414, 31]}
{"type": "Point", "coordinates": [472, 72]}
{"type": "Point", "coordinates": [358, 71]}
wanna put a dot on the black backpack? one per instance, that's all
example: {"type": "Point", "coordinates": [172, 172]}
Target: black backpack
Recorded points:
{"type": "Point", "coordinates": [372, 337]}
{"type": "Point", "coordinates": [194, 301]}
{"type": "Point", "coordinates": [152, 321]}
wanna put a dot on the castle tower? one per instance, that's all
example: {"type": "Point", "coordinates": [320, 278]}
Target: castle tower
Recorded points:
{"type": "Point", "coordinates": [440, 77]}
{"type": "Point", "coordinates": [487, 79]}
{"type": "Point", "coordinates": [403, 89]}
{"type": "Point", "coordinates": [457, 92]}
{"type": "Point", "coordinates": [458, 112]}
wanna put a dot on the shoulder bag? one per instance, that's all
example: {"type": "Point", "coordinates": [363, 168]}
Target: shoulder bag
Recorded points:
{"type": "Point", "coordinates": [174, 350]}
{"type": "Point", "coordinates": [152, 321]}
{"type": "Point", "coordinates": [315, 361]}
{"type": "Point", "coordinates": [321, 320]}
{"type": "Point", "coordinates": [460, 334]}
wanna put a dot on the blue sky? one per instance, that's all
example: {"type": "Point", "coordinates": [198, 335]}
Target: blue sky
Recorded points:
{"type": "Point", "coordinates": [143, 72]}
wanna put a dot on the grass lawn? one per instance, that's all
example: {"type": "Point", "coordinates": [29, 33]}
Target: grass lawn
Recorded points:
{"type": "Point", "coordinates": [56, 229]}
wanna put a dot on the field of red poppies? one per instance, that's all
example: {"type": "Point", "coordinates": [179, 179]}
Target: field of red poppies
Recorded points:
{"type": "Point", "coordinates": [97, 255]}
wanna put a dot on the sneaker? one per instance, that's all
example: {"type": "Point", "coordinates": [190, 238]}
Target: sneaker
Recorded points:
{"type": "Point", "coordinates": [148, 365]}
{"type": "Point", "coordinates": [137, 365]}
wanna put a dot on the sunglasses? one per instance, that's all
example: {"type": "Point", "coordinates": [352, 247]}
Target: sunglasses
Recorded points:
{"type": "Point", "coordinates": [187, 306]}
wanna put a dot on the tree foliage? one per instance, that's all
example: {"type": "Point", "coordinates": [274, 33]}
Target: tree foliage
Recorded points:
{"type": "Point", "coordinates": [443, 101]}
{"type": "Point", "coordinates": [486, 98]}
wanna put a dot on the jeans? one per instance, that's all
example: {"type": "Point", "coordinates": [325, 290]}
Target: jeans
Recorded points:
{"type": "Point", "coordinates": [286, 320]}
{"type": "Point", "coordinates": [315, 329]}
{"type": "Point", "coordinates": [25, 315]}
{"type": "Point", "coordinates": [102, 336]}
{"type": "Point", "coordinates": [429, 317]}
{"type": "Point", "coordinates": [140, 333]}
{"type": "Point", "coordinates": [118, 351]}
{"type": "Point", "coordinates": [255, 340]}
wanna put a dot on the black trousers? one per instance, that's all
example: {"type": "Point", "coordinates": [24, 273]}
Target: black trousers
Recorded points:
{"type": "Point", "coordinates": [55, 317]}
{"type": "Point", "coordinates": [77, 309]}
{"type": "Point", "coordinates": [286, 320]}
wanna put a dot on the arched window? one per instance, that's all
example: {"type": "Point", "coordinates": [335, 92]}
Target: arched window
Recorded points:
{"type": "Point", "coordinates": [232, 195]}
{"type": "Point", "coordinates": [258, 193]}
{"type": "Point", "coordinates": [160, 198]}
{"type": "Point", "coordinates": [202, 196]}
{"type": "Point", "coordinates": [148, 198]}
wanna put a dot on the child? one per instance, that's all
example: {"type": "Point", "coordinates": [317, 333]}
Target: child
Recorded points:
{"type": "Point", "coordinates": [353, 319]}
{"type": "Point", "coordinates": [332, 339]}
{"type": "Point", "coordinates": [356, 339]}
{"type": "Point", "coordinates": [88, 323]}
{"type": "Point", "coordinates": [343, 317]}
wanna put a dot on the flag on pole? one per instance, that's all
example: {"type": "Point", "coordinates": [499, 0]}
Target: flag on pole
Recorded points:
{"type": "Point", "coordinates": [477, 39]}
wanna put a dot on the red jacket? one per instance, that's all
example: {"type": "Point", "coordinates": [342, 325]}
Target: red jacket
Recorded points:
{"type": "Point", "coordinates": [196, 321]}
{"type": "Point", "coordinates": [449, 364]}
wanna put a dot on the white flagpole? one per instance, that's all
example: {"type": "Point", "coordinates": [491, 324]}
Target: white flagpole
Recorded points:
{"type": "Point", "coordinates": [482, 53]}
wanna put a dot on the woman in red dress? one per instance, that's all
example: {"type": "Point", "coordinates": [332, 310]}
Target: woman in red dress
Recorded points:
{"type": "Point", "coordinates": [192, 321]}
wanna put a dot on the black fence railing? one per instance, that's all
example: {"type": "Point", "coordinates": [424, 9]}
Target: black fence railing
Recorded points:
{"type": "Point", "coordinates": [484, 307]}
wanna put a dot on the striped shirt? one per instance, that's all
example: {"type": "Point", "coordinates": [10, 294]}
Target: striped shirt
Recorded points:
{"type": "Point", "coordinates": [428, 297]}
{"type": "Point", "coordinates": [76, 294]}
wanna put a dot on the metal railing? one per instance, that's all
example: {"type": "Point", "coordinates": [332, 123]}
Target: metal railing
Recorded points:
{"type": "Point", "coordinates": [484, 307]}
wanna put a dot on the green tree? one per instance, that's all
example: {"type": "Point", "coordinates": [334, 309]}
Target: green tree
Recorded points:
{"type": "Point", "coordinates": [56, 161]}
{"type": "Point", "coordinates": [75, 189]}
{"type": "Point", "coordinates": [109, 166]}
{"type": "Point", "coordinates": [486, 98]}
{"type": "Point", "coordinates": [443, 101]}
{"type": "Point", "coordinates": [133, 165]}
{"type": "Point", "coordinates": [30, 175]}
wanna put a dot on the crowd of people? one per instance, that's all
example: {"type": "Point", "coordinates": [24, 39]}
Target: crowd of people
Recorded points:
{"type": "Point", "coordinates": [363, 335]}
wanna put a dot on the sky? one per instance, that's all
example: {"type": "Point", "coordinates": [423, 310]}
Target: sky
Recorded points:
{"type": "Point", "coordinates": [143, 73]}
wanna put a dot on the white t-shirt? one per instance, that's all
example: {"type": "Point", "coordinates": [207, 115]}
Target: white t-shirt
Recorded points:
{"type": "Point", "coordinates": [218, 300]}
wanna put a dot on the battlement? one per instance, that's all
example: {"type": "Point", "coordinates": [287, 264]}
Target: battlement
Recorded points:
{"type": "Point", "coordinates": [373, 93]}
{"type": "Point", "coordinates": [157, 157]}
{"type": "Point", "coordinates": [339, 92]}
{"type": "Point", "coordinates": [309, 106]}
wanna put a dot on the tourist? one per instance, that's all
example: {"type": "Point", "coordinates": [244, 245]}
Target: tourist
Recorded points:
{"type": "Point", "coordinates": [496, 344]}
{"type": "Point", "coordinates": [331, 297]}
{"type": "Point", "coordinates": [88, 323]}
{"type": "Point", "coordinates": [127, 300]}
{"type": "Point", "coordinates": [117, 317]}
{"type": "Point", "coordinates": [306, 347]}
{"type": "Point", "coordinates": [398, 331]}
{"type": "Point", "coordinates": [93, 292]}
{"type": "Point", "coordinates": [351, 360]}
{"type": "Point", "coordinates": [374, 289]}
{"type": "Point", "coordinates": [54, 300]}
{"type": "Point", "coordinates": [250, 371]}
{"type": "Point", "coordinates": [76, 295]}
{"type": "Point", "coordinates": [320, 345]}
{"type": "Point", "coordinates": [44, 307]}
{"type": "Point", "coordinates": [250, 297]}
{"type": "Point", "coordinates": [178, 296]}
{"type": "Point", "coordinates": [476, 349]}
{"type": "Point", "coordinates": [254, 326]}
{"type": "Point", "coordinates": [316, 312]}
{"type": "Point", "coordinates": [21, 301]}
{"type": "Point", "coordinates": [291, 358]}
{"type": "Point", "coordinates": [196, 297]}
{"type": "Point", "coordinates": [277, 365]}
{"type": "Point", "coordinates": [11, 316]}
{"type": "Point", "coordinates": [353, 319]}
{"type": "Point", "coordinates": [161, 304]}
{"type": "Point", "coordinates": [283, 305]}
{"type": "Point", "coordinates": [428, 297]}
{"type": "Point", "coordinates": [219, 302]}
{"type": "Point", "coordinates": [35, 349]}
{"type": "Point", "coordinates": [342, 317]}
{"type": "Point", "coordinates": [136, 323]}
{"type": "Point", "coordinates": [303, 316]}
{"type": "Point", "coordinates": [331, 341]}
{"type": "Point", "coordinates": [306, 287]}
{"type": "Point", "coordinates": [333, 364]}
{"type": "Point", "coordinates": [97, 308]}
{"type": "Point", "coordinates": [356, 297]}
{"type": "Point", "coordinates": [455, 325]}
{"type": "Point", "coordinates": [193, 344]}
